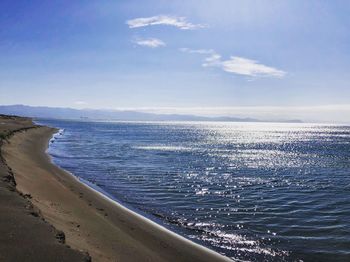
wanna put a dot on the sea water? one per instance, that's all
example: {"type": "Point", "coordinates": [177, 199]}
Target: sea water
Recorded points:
{"type": "Point", "coordinates": [251, 191]}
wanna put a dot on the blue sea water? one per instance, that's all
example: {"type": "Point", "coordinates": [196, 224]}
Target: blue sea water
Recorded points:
{"type": "Point", "coordinates": [251, 191]}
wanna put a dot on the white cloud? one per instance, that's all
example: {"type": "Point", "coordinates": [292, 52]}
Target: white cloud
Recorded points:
{"type": "Point", "coordinates": [236, 65]}
{"type": "Point", "coordinates": [176, 21]}
{"type": "Point", "coordinates": [150, 42]}
{"type": "Point", "coordinates": [248, 67]}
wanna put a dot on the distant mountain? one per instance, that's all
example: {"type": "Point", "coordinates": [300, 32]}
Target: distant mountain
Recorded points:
{"type": "Point", "coordinates": [116, 115]}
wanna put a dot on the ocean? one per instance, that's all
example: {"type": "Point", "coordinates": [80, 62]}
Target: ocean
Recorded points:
{"type": "Point", "coordinates": [250, 191]}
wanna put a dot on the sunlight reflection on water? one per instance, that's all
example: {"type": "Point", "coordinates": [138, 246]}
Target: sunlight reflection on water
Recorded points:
{"type": "Point", "coordinates": [253, 191]}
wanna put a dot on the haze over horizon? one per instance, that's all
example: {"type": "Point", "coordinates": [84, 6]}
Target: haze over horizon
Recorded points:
{"type": "Point", "coordinates": [279, 60]}
{"type": "Point", "coordinates": [247, 114]}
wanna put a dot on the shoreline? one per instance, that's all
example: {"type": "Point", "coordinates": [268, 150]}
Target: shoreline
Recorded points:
{"type": "Point", "coordinates": [92, 221]}
{"type": "Point", "coordinates": [135, 213]}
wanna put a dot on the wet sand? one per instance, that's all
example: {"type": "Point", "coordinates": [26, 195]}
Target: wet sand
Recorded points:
{"type": "Point", "coordinates": [91, 222]}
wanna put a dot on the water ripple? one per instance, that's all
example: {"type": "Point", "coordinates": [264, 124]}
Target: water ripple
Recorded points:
{"type": "Point", "coordinates": [252, 191]}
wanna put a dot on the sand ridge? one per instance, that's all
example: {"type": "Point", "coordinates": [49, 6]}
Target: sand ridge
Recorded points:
{"type": "Point", "coordinates": [24, 234]}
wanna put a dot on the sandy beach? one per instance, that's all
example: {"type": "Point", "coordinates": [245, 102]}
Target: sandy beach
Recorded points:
{"type": "Point", "coordinates": [91, 222]}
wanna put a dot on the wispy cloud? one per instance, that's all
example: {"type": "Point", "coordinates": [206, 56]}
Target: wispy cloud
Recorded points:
{"type": "Point", "coordinates": [237, 65]}
{"type": "Point", "coordinates": [150, 42]}
{"type": "Point", "coordinates": [213, 60]}
{"type": "Point", "coordinates": [179, 22]}
{"type": "Point", "coordinates": [197, 51]}
{"type": "Point", "coordinates": [79, 102]}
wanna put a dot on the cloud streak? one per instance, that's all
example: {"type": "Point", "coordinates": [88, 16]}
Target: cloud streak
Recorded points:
{"type": "Point", "coordinates": [197, 51]}
{"type": "Point", "coordinates": [179, 22]}
{"type": "Point", "coordinates": [80, 103]}
{"type": "Point", "coordinates": [236, 65]}
{"type": "Point", "coordinates": [150, 42]}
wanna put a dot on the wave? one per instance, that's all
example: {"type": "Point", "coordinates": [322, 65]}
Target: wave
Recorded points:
{"type": "Point", "coordinates": [56, 135]}
{"type": "Point", "coordinates": [216, 236]}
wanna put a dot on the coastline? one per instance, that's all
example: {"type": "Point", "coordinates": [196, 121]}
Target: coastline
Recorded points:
{"type": "Point", "coordinates": [91, 221]}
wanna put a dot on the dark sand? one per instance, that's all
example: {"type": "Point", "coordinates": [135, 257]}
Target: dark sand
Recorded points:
{"type": "Point", "coordinates": [90, 221]}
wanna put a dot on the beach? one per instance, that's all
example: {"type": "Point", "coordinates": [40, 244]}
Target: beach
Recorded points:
{"type": "Point", "coordinates": [24, 234]}
{"type": "Point", "coordinates": [91, 222]}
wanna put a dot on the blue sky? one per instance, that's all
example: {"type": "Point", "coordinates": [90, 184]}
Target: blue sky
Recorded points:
{"type": "Point", "coordinates": [252, 58]}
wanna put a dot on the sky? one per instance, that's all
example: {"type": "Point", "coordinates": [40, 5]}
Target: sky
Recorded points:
{"type": "Point", "coordinates": [266, 59]}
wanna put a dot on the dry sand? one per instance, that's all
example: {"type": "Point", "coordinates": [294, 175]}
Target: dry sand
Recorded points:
{"type": "Point", "coordinates": [90, 221]}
